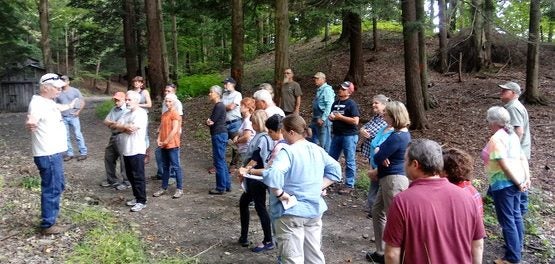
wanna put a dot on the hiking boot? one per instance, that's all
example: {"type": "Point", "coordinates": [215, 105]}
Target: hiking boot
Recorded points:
{"type": "Point", "coordinates": [53, 230]}
{"type": "Point", "coordinates": [131, 202]}
{"type": "Point", "coordinates": [215, 192]}
{"type": "Point", "coordinates": [68, 158]}
{"type": "Point", "coordinates": [138, 207]}
{"type": "Point", "coordinates": [159, 193]}
{"type": "Point", "coordinates": [178, 193]}
{"type": "Point", "coordinates": [82, 157]}
{"type": "Point", "coordinates": [375, 257]}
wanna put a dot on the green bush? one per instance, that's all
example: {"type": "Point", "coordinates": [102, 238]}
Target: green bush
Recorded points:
{"type": "Point", "coordinates": [103, 109]}
{"type": "Point", "coordinates": [363, 182]}
{"type": "Point", "coordinates": [197, 85]}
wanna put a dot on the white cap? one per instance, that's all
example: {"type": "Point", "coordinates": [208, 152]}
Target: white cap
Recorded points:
{"type": "Point", "coordinates": [511, 86]}
{"type": "Point", "coordinates": [52, 79]}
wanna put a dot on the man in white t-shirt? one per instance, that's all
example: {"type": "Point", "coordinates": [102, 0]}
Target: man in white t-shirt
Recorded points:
{"type": "Point", "coordinates": [49, 142]}
{"type": "Point", "coordinates": [264, 101]}
{"type": "Point", "coordinates": [133, 145]}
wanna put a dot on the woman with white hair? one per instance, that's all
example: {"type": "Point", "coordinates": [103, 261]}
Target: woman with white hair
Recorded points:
{"type": "Point", "coordinates": [507, 169]}
{"type": "Point", "coordinates": [218, 134]}
{"type": "Point", "coordinates": [169, 141]}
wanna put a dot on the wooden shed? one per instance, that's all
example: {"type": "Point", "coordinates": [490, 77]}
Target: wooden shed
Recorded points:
{"type": "Point", "coordinates": [18, 84]}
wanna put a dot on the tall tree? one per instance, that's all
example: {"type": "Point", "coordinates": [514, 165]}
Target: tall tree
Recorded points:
{"type": "Point", "coordinates": [452, 15]}
{"type": "Point", "coordinates": [356, 63]}
{"type": "Point", "coordinates": [175, 52]}
{"type": "Point", "coordinates": [237, 41]}
{"type": "Point", "coordinates": [282, 44]}
{"type": "Point", "coordinates": [156, 65]}
{"type": "Point", "coordinates": [442, 36]}
{"type": "Point", "coordinates": [129, 38]}
{"type": "Point", "coordinates": [415, 104]}
{"type": "Point", "coordinates": [532, 93]}
{"type": "Point", "coordinates": [45, 38]}
{"type": "Point", "coordinates": [422, 57]}
{"type": "Point", "coordinates": [480, 58]}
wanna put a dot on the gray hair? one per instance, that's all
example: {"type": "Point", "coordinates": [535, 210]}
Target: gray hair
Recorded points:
{"type": "Point", "coordinates": [216, 89]}
{"type": "Point", "coordinates": [171, 97]}
{"type": "Point", "coordinates": [429, 155]}
{"type": "Point", "coordinates": [381, 98]}
{"type": "Point", "coordinates": [263, 95]}
{"type": "Point", "coordinates": [500, 116]}
{"type": "Point", "coordinates": [268, 87]}
{"type": "Point", "coordinates": [133, 95]}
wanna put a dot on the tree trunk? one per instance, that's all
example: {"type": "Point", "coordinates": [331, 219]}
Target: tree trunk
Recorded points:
{"type": "Point", "coordinates": [345, 32]}
{"type": "Point", "coordinates": [175, 52]}
{"type": "Point", "coordinates": [532, 94]}
{"type": "Point", "coordinates": [489, 11]}
{"type": "Point", "coordinates": [108, 84]}
{"type": "Point", "coordinates": [282, 45]}
{"type": "Point", "coordinates": [237, 42]}
{"type": "Point", "coordinates": [66, 59]}
{"type": "Point", "coordinates": [415, 104]}
{"type": "Point", "coordinates": [452, 16]}
{"type": "Point", "coordinates": [356, 64]}
{"type": "Point", "coordinates": [45, 39]}
{"type": "Point", "coordinates": [375, 33]}
{"type": "Point", "coordinates": [96, 73]}
{"type": "Point", "coordinates": [163, 46]}
{"type": "Point", "coordinates": [326, 31]}
{"type": "Point", "coordinates": [129, 38]}
{"type": "Point", "coordinates": [260, 29]}
{"type": "Point", "coordinates": [155, 49]}
{"type": "Point", "coordinates": [443, 54]}
{"type": "Point", "coordinates": [422, 57]}
{"type": "Point", "coordinates": [476, 60]}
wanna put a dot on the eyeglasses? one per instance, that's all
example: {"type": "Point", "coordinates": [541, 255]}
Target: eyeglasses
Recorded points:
{"type": "Point", "coordinates": [127, 99]}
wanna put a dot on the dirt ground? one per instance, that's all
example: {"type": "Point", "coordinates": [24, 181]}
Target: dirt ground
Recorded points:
{"type": "Point", "coordinates": [208, 226]}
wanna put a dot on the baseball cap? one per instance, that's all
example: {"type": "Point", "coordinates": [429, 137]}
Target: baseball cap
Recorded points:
{"type": "Point", "coordinates": [52, 79]}
{"type": "Point", "coordinates": [119, 96]}
{"type": "Point", "coordinates": [511, 86]}
{"type": "Point", "coordinates": [229, 80]}
{"type": "Point", "coordinates": [346, 85]}
{"type": "Point", "coordinates": [319, 75]}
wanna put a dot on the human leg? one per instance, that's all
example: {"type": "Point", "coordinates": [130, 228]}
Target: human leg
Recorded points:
{"type": "Point", "coordinates": [135, 169]}
{"type": "Point", "coordinates": [315, 134]}
{"type": "Point", "coordinates": [111, 156]}
{"type": "Point", "coordinates": [175, 167]}
{"type": "Point", "coordinates": [76, 125]}
{"type": "Point", "coordinates": [336, 146]}
{"type": "Point", "coordinates": [219, 143]}
{"type": "Point", "coordinates": [313, 241]}
{"type": "Point", "coordinates": [159, 162]}
{"type": "Point", "coordinates": [51, 171]}
{"type": "Point", "coordinates": [349, 150]}
{"type": "Point", "coordinates": [507, 208]}
{"type": "Point", "coordinates": [67, 123]}
{"type": "Point", "coordinates": [290, 238]}
{"type": "Point", "coordinates": [325, 135]}
{"type": "Point", "coordinates": [165, 153]}
{"type": "Point", "coordinates": [258, 191]}
{"type": "Point", "coordinates": [244, 215]}
{"type": "Point", "coordinates": [378, 221]}
{"type": "Point", "coordinates": [372, 193]}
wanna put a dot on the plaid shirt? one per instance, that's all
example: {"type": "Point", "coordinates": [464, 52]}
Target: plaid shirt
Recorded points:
{"type": "Point", "coordinates": [372, 127]}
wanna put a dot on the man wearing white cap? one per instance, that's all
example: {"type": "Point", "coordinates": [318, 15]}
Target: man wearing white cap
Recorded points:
{"type": "Point", "coordinates": [510, 92]}
{"type": "Point", "coordinates": [49, 142]}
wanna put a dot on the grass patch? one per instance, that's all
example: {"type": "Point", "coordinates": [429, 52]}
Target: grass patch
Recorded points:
{"type": "Point", "coordinates": [196, 85]}
{"type": "Point", "coordinates": [103, 109]}
{"type": "Point", "coordinates": [1, 182]}
{"type": "Point", "coordinates": [31, 182]}
{"type": "Point", "coordinates": [363, 182]}
{"type": "Point", "coordinates": [201, 134]}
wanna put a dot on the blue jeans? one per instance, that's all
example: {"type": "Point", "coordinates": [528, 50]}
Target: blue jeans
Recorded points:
{"type": "Point", "coordinates": [160, 163]}
{"type": "Point", "coordinates": [347, 145]}
{"type": "Point", "coordinates": [170, 158]}
{"type": "Point", "coordinates": [233, 127]}
{"type": "Point", "coordinates": [72, 123]}
{"type": "Point", "coordinates": [507, 208]}
{"type": "Point", "coordinates": [219, 143]}
{"type": "Point", "coordinates": [51, 169]}
{"type": "Point", "coordinates": [321, 135]}
{"type": "Point", "coordinates": [524, 203]}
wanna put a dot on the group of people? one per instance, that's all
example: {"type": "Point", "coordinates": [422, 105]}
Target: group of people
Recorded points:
{"type": "Point", "coordinates": [423, 205]}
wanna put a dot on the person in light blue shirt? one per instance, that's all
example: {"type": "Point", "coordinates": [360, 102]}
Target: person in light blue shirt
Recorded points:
{"type": "Point", "coordinates": [321, 108]}
{"type": "Point", "coordinates": [300, 169]}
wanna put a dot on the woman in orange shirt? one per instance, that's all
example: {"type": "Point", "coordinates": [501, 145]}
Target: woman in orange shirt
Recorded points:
{"type": "Point", "coordinates": [169, 142]}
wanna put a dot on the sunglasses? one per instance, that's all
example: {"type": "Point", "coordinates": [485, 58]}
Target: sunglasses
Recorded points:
{"type": "Point", "coordinates": [52, 79]}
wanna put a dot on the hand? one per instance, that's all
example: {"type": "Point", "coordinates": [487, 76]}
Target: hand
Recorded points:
{"type": "Point", "coordinates": [285, 197]}
{"type": "Point", "coordinates": [386, 163]}
{"type": "Point", "coordinates": [209, 122]}
{"type": "Point", "coordinates": [320, 122]}
{"type": "Point", "coordinates": [373, 174]}
{"type": "Point", "coordinates": [364, 133]}
{"type": "Point", "coordinates": [72, 104]}
{"type": "Point", "coordinates": [130, 129]}
{"type": "Point", "coordinates": [31, 123]}
{"type": "Point", "coordinates": [77, 113]}
{"type": "Point", "coordinates": [324, 192]}
{"type": "Point", "coordinates": [159, 143]}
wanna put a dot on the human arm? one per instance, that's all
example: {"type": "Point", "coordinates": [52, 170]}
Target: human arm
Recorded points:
{"type": "Point", "coordinates": [173, 132]}
{"type": "Point", "coordinates": [64, 107]}
{"type": "Point", "coordinates": [82, 105]}
{"type": "Point", "coordinates": [349, 120]}
{"type": "Point", "coordinates": [510, 174]}
{"type": "Point", "coordinates": [477, 251]}
{"type": "Point", "coordinates": [297, 104]}
{"type": "Point", "coordinates": [325, 102]}
{"type": "Point", "coordinates": [243, 138]}
{"type": "Point", "coordinates": [148, 101]}
{"type": "Point", "coordinates": [388, 148]}
{"type": "Point", "coordinates": [392, 255]}
{"type": "Point", "coordinates": [519, 131]}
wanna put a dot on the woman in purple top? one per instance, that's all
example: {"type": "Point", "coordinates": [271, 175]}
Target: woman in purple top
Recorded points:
{"type": "Point", "coordinates": [390, 159]}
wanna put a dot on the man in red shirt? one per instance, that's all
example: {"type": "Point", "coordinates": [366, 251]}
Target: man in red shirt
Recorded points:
{"type": "Point", "coordinates": [433, 221]}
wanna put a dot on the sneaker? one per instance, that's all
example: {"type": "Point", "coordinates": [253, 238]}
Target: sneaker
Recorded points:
{"type": "Point", "coordinates": [178, 193]}
{"type": "Point", "coordinates": [107, 184]}
{"type": "Point", "coordinates": [159, 193]}
{"type": "Point", "coordinates": [53, 230]}
{"type": "Point", "coordinates": [131, 202]}
{"type": "Point", "coordinates": [122, 186]}
{"type": "Point", "coordinates": [375, 257]}
{"type": "Point", "coordinates": [82, 157]}
{"type": "Point", "coordinates": [138, 207]}
{"type": "Point", "coordinates": [263, 247]}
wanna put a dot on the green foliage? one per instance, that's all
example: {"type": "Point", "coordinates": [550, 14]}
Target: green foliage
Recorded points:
{"type": "Point", "coordinates": [363, 182]}
{"type": "Point", "coordinates": [197, 85]}
{"type": "Point", "coordinates": [31, 182]}
{"type": "Point", "coordinates": [201, 134]}
{"type": "Point", "coordinates": [490, 219]}
{"type": "Point", "coordinates": [92, 214]}
{"type": "Point", "coordinates": [16, 42]}
{"type": "Point", "coordinates": [103, 109]}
